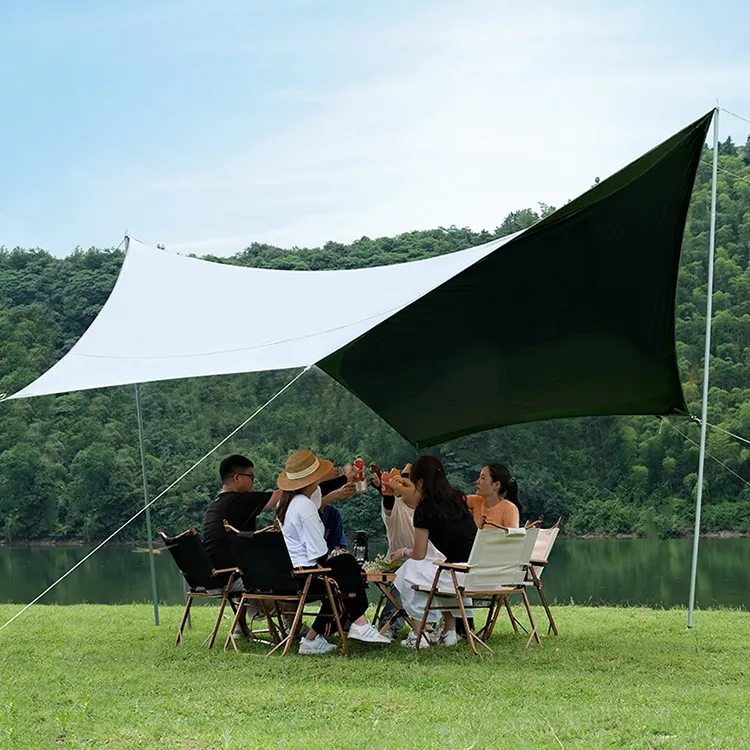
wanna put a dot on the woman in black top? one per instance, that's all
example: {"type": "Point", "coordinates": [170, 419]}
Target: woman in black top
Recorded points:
{"type": "Point", "coordinates": [443, 518]}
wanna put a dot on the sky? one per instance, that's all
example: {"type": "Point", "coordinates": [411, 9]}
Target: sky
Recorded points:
{"type": "Point", "coordinates": [208, 126]}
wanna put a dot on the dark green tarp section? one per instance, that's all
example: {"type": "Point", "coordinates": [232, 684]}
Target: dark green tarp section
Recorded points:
{"type": "Point", "coordinates": [574, 317]}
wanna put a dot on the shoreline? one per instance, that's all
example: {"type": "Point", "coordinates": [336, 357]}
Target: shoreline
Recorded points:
{"type": "Point", "coordinates": [377, 539]}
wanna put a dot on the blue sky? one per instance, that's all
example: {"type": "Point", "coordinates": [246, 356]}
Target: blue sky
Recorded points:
{"type": "Point", "coordinates": [206, 126]}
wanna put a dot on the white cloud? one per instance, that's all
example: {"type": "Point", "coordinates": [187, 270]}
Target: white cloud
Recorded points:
{"type": "Point", "coordinates": [479, 110]}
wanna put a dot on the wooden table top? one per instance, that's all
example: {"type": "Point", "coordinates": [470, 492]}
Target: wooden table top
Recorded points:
{"type": "Point", "coordinates": [380, 577]}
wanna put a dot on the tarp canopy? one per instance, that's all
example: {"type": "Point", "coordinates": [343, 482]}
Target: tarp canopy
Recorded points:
{"type": "Point", "coordinates": [572, 317]}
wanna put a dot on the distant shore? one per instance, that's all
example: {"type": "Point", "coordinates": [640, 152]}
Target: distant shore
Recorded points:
{"type": "Point", "coordinates": [377, 539]}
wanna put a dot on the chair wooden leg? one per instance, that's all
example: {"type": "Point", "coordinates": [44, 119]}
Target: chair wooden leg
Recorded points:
{"type": "Point", "coordinates": [297, 616]}
{"type": "Point", "coordinates": [552, 626]}
{"type": "Point", "coordinates": [430, 597]}
{"type": "Point", "coordinates": [534, 632]}
{"type": "Point", "coordinates": [185, 616]}
{"type": "Point", "coordinates": [230, 636]}
{"type": "Point", "coordinates": [335, 610]}
{"type": "Point", "coordinates": [513, 620]}
{"type": "Point", "coordinates": [272, 631]}
{"type": "Point", "coordinates": [217, 624]}
{"type": "Point", "coordinates": [280, 618]}
{"type": "Point", "coordinates": [490, 612]}
{"type": "Point", "coordinates": [288, 636]}
{"type": "Point", "coordinates": [469, 634]}
{"type": "Point", "coordinates": [491, 623]}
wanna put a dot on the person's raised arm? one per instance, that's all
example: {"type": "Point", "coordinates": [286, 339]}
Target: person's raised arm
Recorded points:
{"type": "Point", "coordinates": [388, 501]}
{"type": "Point", "coordinates": [273, 500]}
{"type": "Point", "coordinates": [404, 487]}
{"type": "Point", "coordinates": [340, 494]}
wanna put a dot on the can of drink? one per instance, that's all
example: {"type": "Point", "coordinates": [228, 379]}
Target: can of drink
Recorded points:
{"type": "Point", "coordinates": [360, 480]}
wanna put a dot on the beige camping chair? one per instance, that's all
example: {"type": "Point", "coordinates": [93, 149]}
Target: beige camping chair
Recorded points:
{"type": "Point", "coordinates": [539, 557]}
{"type": "Point", "coordinates": [496, 569]}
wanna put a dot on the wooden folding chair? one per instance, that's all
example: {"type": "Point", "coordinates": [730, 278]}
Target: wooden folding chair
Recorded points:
{"type": "Point", "coordinates": [269, 578]}
{"type": "Point", "coordinates": [539, 557]}
{"type": "Point", "coordinates": [496, 569]}
{"type": "Point", "coordinates": [204, 582]}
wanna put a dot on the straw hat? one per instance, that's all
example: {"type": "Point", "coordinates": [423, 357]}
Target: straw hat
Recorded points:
{"type": "Point", "coordinates": [302, 469]}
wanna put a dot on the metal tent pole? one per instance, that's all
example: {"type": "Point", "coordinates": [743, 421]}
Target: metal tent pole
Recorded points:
{"type": "Point", "coordinates": [145, 501]}
{"type": "Point", "coordinates": [706, 365]}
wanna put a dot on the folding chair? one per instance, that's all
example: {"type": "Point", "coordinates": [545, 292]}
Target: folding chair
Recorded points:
{"type": "Point", "coordinates": [539, 557]}
{"type": "Point", "coordinates": [496, 569]}
{"type": "Point", "coordinates": [204, 582]}
{"type": "Point", "coordinates": [269, 578]}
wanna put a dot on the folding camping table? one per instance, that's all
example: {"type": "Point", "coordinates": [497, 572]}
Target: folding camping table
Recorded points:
{"type": "Point", "coordinates": [384, 581]}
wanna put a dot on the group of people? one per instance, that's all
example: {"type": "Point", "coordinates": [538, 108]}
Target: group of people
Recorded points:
{"type": "Point", "coordinates": [426, 519]}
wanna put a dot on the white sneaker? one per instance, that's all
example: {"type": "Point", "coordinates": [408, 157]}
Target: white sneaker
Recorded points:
{"type": "Point", "coordinates": [448, 638]}
{"type": "Point", "coordinates": [411, 641]}
{"type": "Point", "coordinates": [318, 645]}
{"type": "Point", "coordinates": [366, 633]}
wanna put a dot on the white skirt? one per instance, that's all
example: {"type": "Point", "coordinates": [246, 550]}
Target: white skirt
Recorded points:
{"type": "Point", "coordinates": [422, 573]}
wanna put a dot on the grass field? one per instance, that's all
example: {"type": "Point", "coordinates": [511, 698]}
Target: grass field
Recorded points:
{"type": "Point", "coordinates": [105, 677]}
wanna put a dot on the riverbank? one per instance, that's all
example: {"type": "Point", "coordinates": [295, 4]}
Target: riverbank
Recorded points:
{"type": "Point", "coordinates": [103, 676]}
{"type": "Point", "coordinates": [143, 543]}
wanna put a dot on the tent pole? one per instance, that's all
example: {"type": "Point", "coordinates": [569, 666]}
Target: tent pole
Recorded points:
{"type": "Point", "coordinates": [148, 510]}
{"type": "Point", "coordinates": [190, 617]}
{"type": "Point", "coordinates": [706, 365]}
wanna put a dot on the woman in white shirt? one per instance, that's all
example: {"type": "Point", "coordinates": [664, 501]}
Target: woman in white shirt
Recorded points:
{"type": "Point", "coordinates": [298, 513]}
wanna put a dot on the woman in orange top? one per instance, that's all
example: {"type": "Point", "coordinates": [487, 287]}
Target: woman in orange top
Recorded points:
{"type": "Point", "coordinates": [496, 504]}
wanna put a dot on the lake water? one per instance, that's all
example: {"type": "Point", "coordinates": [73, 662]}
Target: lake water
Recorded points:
{"type": "Point", "coordinates": [584, 571]}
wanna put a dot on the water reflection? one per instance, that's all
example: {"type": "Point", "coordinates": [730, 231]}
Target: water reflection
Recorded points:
{"type": "Point", "coordinates": [590, 571]}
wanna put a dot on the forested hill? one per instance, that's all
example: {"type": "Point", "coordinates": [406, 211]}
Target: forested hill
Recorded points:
{"type": "Point", "coordinates": [69, 465]}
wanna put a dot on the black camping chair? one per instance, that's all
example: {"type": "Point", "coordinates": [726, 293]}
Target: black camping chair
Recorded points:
{"type": "Point", "coordinates": [269, 578]}
{"type": "Point", "coordinates": [204, 582]}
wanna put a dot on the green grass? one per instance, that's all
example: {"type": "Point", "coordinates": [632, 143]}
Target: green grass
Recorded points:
{"type": "Point", "coordinates": [105, 677]}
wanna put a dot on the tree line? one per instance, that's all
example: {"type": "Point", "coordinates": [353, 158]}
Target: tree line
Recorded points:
{"type": "Point", "coordinates": [70, 467]}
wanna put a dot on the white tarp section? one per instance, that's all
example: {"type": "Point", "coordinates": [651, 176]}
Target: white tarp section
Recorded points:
{"type": "Point", "coordinates": [174, 317]}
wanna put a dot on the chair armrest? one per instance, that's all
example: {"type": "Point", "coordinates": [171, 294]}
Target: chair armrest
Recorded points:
{"type": "Point", "coordinates": [452, 566]}
{"type": "Point", "coordinates": [225, 570]}
{"type": "Point", "coordinates": [537, 562]}
{"type": "Point", "coordinates": [308, 571]}
{"type": "Point", "coordinates": [487, 522]}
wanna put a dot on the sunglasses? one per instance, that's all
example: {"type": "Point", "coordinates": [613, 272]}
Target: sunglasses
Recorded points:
{"type": "Point", "coordinates": [241, 474]}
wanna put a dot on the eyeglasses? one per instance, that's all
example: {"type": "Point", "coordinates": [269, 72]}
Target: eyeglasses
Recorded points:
{"type": "Point", "coordinates": [240, 474]}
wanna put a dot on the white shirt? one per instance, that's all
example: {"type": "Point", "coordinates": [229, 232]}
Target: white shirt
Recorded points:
{"type": "Point", "coordinates": [399, 525]}
{"type": "Point", "coordinates": [303, 532]}
{"type": "Point", "coordinates": [399, 528]}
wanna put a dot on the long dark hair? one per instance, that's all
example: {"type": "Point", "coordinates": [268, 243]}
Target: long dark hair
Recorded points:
{"type": "Point", "coordinates": [283, 505]}
{"type": "Point", "coordinates": [508, 485]}
{"type": "Point", "coordinates": [439, 497]}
